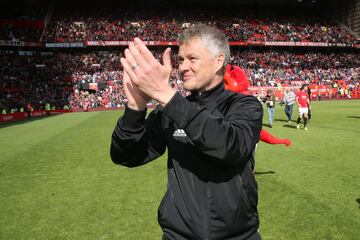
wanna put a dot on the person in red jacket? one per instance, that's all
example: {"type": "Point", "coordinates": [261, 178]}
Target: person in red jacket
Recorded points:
{"type": "Point", "coordinates": [236, 80]}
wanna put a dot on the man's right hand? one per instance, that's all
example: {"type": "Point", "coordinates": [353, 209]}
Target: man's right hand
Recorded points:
{"type": "Point", "coordinates": [136, 99]}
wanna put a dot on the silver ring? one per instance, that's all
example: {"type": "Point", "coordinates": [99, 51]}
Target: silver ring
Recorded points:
{"type": "Point", "coordinates": [134, 66]}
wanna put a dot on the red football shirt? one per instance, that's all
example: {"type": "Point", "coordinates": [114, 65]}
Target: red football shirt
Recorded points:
{"type": "Point", "coordinates": [302, 98]}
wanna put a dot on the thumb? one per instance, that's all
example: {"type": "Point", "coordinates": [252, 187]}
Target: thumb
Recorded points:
{"type": "Point", "coordinates": [167, 59]}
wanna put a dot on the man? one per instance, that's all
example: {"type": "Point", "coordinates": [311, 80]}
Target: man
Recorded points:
{"type": "Point", "coordinates": [210, 136]}
{"type": "Point", "coordinates": [309, 108]}
{"type": "Point", "coordinates": [289, 100]}
{"type": "Point", "coordinates": [47, 109]}
{"type": "Point", "coordinates": [269, 100]}
{"type": "Point", "coordinates": [302, 99]}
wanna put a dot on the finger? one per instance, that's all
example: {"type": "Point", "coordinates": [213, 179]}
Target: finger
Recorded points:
{"type": "Point", "coordinates": [130, 59]}
{"type": "Point", "coordinates": [128, 84]}
{"type": "Point", "coordinates": [145, 52]}
{"type": "Point", "coordinates": [167, 59]}
{"type": "Point", "coordinates": [131, 87]}
{"type": "Point", "coordinates": [126, 77]}
{"type": "Point", "coordinates": [129, 70]}
{"type": "Point", "coordinates": [137, 56]}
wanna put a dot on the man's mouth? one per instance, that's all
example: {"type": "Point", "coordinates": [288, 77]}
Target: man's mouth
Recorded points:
{"type": "Point", "coordinates": [187, 77]}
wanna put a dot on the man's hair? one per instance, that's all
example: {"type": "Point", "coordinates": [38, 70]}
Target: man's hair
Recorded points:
{"type": "Point", "coordinates": [214, 40]}
{"type": "Point", "coordinates": [303, 86]}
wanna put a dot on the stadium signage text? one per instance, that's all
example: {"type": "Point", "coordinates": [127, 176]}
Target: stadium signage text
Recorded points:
{"type": "Point", "coordinates": [312, 44]}
{"type": "Point", "coordinates": [65, 45]}
{"type": "Point", "coordinates": [164, 43]}
{"type": "Point", "coordinates": [11, 43]}
{"type": "Point", "coordinates": [125, 43]}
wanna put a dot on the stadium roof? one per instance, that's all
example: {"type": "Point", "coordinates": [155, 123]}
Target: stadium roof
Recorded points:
{"type": "Point", "coordinates": [242, 2]}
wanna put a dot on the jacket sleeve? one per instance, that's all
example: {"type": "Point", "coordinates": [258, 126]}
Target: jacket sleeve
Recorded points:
{"type": "Point", "coordinates": [136, 140]}
{"type": "Point", "coordinates": [228, 140]}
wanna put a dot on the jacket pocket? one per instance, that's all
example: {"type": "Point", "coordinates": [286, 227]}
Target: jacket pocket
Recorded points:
{"type": "Point", "coordinates": [244, 194]}
{"type": "Point", "coordinates": [250, 186]}
{"type": "Point", "coordinates": [245, 217]}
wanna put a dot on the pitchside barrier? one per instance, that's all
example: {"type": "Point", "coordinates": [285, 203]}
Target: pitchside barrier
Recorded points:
{"type": "Point", "coordinates": [13, 117]}
{"type": "Point", "coordinates": [317, 93]}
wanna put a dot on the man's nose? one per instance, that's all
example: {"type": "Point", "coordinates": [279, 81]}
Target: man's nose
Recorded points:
{"type": "Point", "coordinates": [184, 66]}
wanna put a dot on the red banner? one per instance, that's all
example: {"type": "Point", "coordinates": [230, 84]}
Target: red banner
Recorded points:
{"type": "Point", "coordinates": [125, 43]}
{"type": "Point", "coordinates": [19, 116]}
{"type": "Point", "coordinates": [238, 43]}
{"type": "Point", "coordinates": [33, 44]}
{"type": "Point", "coordinates": [164, 43]}
{"type": "Point", "coordinates": [12, 117]}
{"type": "Point", "coordinates": [13, 90]}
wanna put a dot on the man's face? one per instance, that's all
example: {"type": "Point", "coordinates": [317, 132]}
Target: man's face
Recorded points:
{"type": "Point", "coordinates": [197, 66]}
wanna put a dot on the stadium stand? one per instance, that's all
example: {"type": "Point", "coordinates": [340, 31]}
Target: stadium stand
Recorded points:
{"type": "Point", "coordinates": [237, 27]}
{"type": "Point", "coordinates": [32, 73]}
{"type": "Point", "coordinates": [72, 78]}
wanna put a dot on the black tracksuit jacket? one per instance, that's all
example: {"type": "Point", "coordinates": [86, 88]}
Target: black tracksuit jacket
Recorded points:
{"type": "Point", "coordinates": [211, 191]}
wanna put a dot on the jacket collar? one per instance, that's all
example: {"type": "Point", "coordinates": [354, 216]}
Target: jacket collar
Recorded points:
{"type": "Point", "coordinates": [211, 95]}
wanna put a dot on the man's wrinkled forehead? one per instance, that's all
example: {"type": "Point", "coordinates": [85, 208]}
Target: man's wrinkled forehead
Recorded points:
{"type": "Point", "coordinates": [195, 44]}
{"type": "Point", "coordinates": [191, 41]}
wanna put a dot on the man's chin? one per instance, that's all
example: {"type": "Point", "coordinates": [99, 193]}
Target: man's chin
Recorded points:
{"type": "Point", "coordinates": [188, 86]}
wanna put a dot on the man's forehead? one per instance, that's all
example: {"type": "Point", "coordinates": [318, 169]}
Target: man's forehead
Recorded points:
{"type": "Point", "coordinates": [192, 45]}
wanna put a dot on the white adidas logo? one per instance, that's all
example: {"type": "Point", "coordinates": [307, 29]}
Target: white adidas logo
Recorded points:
{"type": "Point", "coordinates": [179, 133]}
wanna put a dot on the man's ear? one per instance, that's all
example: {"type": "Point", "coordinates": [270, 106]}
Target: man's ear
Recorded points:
{"type": "Point", "coordinates": [219, 62]}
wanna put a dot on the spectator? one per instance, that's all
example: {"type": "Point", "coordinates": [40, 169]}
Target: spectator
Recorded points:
{"type": "Point", "coordinates": [289, 100]}
{"type": "Point", "coordinates": [270, 101]}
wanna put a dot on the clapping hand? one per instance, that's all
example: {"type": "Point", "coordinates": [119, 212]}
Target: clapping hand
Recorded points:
{"type": "Point", "coordinates": [145, 77]}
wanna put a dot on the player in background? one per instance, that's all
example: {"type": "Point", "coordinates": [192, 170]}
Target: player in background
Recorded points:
{"type": "Point", "coordinates": [302, 99]}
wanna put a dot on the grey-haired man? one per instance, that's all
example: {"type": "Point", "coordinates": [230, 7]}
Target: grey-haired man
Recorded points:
{"type": "Point", "coordinates": [210, 137]}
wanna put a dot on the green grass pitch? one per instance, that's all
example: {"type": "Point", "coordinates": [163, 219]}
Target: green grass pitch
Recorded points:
{"type": "Point", "coordinates": [57, 180]}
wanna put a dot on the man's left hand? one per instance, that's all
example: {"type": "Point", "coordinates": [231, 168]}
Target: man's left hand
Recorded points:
{"type": "Point", "coordinates": [147, 73]}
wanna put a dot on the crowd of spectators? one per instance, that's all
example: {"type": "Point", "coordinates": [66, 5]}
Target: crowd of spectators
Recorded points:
{"type": "Point", "coordinates": [30, 80]}
{"type": "Point", "coordinates": [64, 78]}
{"type": "Point", "coordinates": [268, 68]}
{"type": "Point", "coordinates": [164, 25]}
{"type": "Point", "coordinates": [158, 25]}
